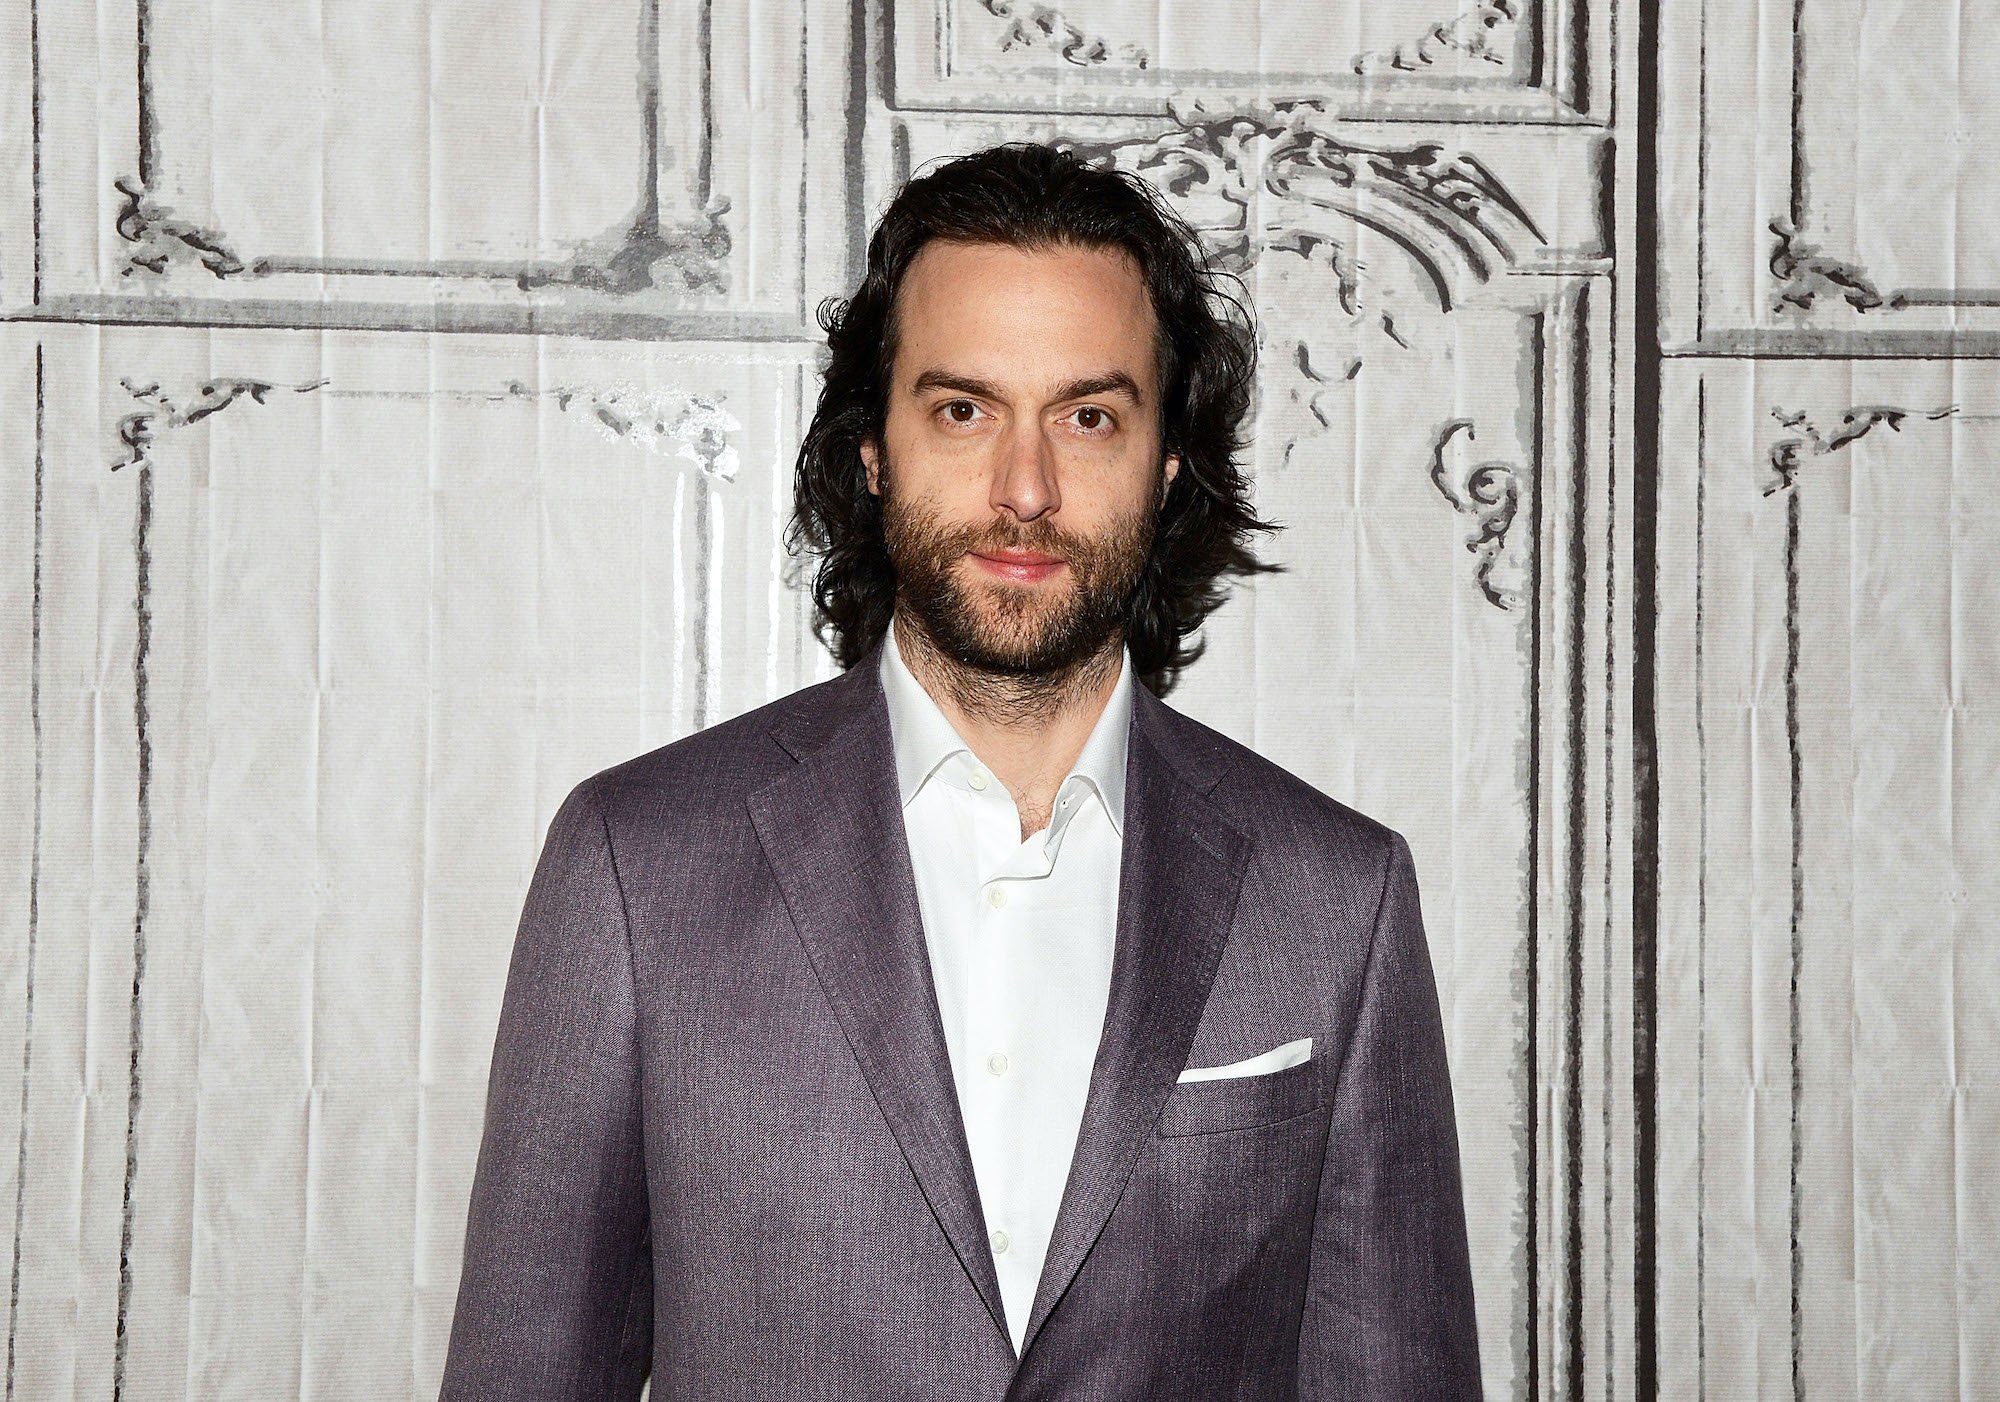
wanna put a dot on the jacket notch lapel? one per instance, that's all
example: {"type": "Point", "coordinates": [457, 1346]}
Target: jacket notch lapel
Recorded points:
{"type": "Point", "coordinates": [832, 830]}
{"type": "Point", "coordinates": [1180, 874]}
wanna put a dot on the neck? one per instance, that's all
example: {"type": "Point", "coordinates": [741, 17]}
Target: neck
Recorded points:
{"type": "Point", "coordinates": [1023, 727]}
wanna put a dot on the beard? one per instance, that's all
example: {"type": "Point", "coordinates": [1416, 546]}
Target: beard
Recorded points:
{"type": "Point", "coordinates": [1050, 629]}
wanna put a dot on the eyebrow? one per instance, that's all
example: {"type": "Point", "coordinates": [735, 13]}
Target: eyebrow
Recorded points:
{"type": "Point", "coordinates": [1104, 382]}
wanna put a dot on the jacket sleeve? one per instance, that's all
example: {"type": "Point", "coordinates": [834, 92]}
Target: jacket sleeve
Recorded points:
{"type": "Point", "coordinates": [1389, 1308]}
{"type": "Point", "coordinates": [555, 1296]}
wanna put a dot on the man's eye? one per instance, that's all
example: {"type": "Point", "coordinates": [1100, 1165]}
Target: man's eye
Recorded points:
{"type": "Point", "coordinates": [952, 411]}
{"type": "Point", "coordinates": [1090, 418]}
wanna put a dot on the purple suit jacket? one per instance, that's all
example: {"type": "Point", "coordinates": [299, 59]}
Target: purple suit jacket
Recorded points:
{"type": "Point", "coordinates": [722, 1140]}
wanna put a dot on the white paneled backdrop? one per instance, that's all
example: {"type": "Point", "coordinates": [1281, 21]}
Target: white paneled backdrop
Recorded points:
{"type": "Point", "coordinates": [397, 410]}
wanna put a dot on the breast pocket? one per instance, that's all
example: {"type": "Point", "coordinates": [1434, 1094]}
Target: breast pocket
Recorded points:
{"type": "Point", "coordinates": [1245, 1102]}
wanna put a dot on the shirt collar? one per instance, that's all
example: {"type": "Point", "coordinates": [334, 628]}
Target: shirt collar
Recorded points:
{"type": "Point", "coordinates": [925, 738]}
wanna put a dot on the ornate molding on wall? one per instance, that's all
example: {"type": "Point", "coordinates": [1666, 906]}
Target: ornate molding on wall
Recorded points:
{"type": "Point", "coordinates": [139, 430]}
{"type": "Point", "coordinates": [1457, 221]}
{"type": "Point", "coordinates": [1805, 275]}
{"type": "Point", "coordinates": [160, 239]}
{"type": "Point", "coordinates": [1472, 62]}
{"type": "Point", "coordinates": [1810, 440]}
{"type": "Point", "coordinates": [1045, 27]}
{"type": "Point", "coordinates": [151, 208]}
{"type": "Point", "coordinates": [692, 427]}
{"type": "Point", "coordinates": [1490, 493]}
{"type": "Point", "coordinates": [1309, 386]}
{"type": "Point", "coordinates": [1472, 33]}
{"type": "Point", "coordinates": [1857, 239]}
{"type": "Point", "coordinates": [624, 263]}
{"type": "Point", "coordinates": [647, 254]}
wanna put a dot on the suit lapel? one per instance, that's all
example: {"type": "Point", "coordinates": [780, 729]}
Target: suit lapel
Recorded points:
{"type": "Point", "coordinates": [832, 829]}
{"type": "Point", "coordinates": [1180, 873]}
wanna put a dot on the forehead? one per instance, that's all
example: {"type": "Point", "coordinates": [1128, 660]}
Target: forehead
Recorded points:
{"type": "Point", "coordinates": [1024, 316]}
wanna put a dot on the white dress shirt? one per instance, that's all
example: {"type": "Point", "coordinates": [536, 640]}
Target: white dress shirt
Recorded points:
{"type": "Point", "coordinates": [1020, 947]}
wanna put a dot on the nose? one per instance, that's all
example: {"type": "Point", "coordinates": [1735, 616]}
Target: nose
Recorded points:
{"type": "Point", "coordinates": [1024, 480]}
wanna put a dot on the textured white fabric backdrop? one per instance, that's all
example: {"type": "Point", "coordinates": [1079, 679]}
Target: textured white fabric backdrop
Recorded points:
{"type": "Point", "coordinates": [397, 410]}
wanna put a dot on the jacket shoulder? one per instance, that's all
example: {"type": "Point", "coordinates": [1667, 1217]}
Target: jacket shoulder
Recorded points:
{"type": "Point", "coordinates": [714, 765]}
{"type": "Point", "coordinates": [1283, 813]}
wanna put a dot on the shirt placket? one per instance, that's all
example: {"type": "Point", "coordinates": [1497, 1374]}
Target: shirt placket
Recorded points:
{"type": "Point", "coordinates": [995, 1050]}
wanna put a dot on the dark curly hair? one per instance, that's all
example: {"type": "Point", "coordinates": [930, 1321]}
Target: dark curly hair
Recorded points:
{"type": "Point", "coordinates": [1031, 195]}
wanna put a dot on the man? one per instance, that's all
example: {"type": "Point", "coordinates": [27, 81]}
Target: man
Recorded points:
{"type": "Point", "coordinates": [973, 1025]}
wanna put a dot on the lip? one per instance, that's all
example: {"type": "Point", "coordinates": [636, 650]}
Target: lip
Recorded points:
{"type": "Point", "coordinates": [1026, 566]}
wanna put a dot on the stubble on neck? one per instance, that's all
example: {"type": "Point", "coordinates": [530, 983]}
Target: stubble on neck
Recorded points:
{"type": "Point", "coordinates": [1009, 701]}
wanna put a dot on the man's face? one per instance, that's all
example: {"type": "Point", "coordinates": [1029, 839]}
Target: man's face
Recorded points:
{"type": "Point", "coordinates": [1023, 422]}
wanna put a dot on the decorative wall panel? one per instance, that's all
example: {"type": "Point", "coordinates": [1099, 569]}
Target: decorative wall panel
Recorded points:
{"type": "Point", "coordinates": [625, 169]}
{"type": "Point", "coordinates": [1527, 59]}
{"type": "Point", "coordinates": [324, 626]}
{"type": "Point", "coordinates": [1830, 823]}
{"type": "Point", "coordinates": [1825, 180]}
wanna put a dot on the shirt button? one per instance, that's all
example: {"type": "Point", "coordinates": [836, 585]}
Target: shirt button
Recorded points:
{"type": "Point", "coordinates": [997, 1063]}
{"type": "Point", "coordinates": [996, 896]}
{"type": "Point", "coordinates": [1000, 1242]}
{"type": "Point", "coordinates": [978, 779]}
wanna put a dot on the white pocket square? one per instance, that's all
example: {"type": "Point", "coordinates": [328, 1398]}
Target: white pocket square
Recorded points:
{"type": "Point", "coordinates": [1276, 1059]}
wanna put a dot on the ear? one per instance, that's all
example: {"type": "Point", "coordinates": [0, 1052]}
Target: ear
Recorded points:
{"type": "Point", "coordinates": [1173, 465]}
{"type": "Point", "coordinates": [872, 463]}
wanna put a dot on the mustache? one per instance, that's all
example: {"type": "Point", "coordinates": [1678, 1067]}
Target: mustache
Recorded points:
{"type": "Point", "coordinates": [1037, 542]}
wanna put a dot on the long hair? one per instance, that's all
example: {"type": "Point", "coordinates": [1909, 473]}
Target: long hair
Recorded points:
{"type": "Point", "coordinates": [1030, 195]}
